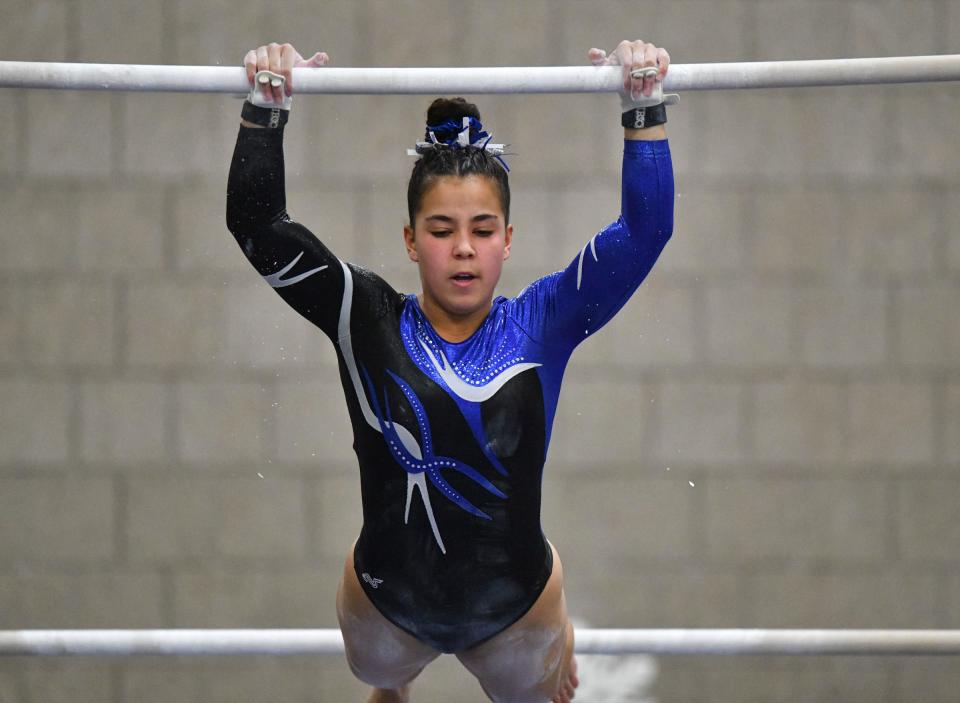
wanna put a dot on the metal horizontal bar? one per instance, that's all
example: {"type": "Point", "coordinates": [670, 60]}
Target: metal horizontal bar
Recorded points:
{"type": "Point", "coordinates": [588, 641]}
{"type": "Point", "coordinates": [531, 79]}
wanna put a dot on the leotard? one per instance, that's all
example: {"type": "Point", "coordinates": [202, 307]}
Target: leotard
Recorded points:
{"type": "Point", "coordinates": [450, 438]}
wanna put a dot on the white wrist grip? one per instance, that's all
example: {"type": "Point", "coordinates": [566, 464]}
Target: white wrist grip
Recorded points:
{"type": "Point", "coordinates": [655, 98]}
{"type": "Point", "coordinates": [275, 80]}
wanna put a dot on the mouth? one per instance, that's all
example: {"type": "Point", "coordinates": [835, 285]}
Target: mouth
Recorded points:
{"type": "Point", "coordinates": [463, 278]}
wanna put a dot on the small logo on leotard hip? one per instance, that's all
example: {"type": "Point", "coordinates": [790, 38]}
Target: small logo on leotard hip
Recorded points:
{"type": "Point", "coordinates": [374, 582]}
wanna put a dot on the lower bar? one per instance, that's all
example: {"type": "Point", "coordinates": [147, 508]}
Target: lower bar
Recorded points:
{"type": "Point", "coordinates": [530, 79]}
{"type": "Point", "coordinates": [112, 643]}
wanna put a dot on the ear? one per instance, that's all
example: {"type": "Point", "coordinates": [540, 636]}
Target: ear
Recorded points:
{"type": "Point", "coordinates": [410, 243]}
{"type": "Point", "coordinates": [507, 241]}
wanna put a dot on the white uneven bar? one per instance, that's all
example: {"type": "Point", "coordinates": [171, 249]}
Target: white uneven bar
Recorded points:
{"type": "Point", "coordinates": [532, 79]}
{"type": "Point", "coordinates": [326, 642]}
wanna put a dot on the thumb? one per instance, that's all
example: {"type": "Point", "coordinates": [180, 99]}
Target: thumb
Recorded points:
{"type": "Point", "coordinates": [318, 59]}
{"type": "Point", "coordinates": [597, 56]}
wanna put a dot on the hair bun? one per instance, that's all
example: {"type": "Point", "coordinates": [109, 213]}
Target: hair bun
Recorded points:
{"type": "Point", "coordinates": [447, 118]}
{"type": "Point", "coordinates": [453, 122]}
{"type": "Point", "coordinates": [443, 109]}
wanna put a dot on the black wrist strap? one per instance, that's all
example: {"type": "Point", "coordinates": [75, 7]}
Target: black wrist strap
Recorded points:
{"type": "Point", "coordinates": [643, 117]}
{"type": "Point", "coordinates": [272, 117]}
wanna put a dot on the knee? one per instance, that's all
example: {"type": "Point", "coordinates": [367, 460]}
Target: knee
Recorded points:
{"type": "Point", "coordinates": [378, 678]}
{"type": "Point", "coordinates": [507, 685]}
{"type": "Point", "coordinates": [528, 676]}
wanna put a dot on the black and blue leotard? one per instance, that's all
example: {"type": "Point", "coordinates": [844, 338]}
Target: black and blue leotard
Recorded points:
{"type": "Point", "coordinates": [451, 438]}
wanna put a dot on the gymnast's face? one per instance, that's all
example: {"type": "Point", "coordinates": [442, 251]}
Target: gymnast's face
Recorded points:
{"type": "Point", "coordinates": [460, 240]}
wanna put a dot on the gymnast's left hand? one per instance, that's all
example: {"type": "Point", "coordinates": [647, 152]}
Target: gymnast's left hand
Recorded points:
{"type": "Point", "coordinates": [633, 55]}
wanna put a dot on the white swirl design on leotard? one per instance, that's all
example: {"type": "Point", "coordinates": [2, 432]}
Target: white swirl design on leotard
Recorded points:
{"type": "Point", "coordinates": [277, 279]}
{"type": "Point", "coordinates": [414, 480]}
{"type": "Point", "coordinates": [468, 391]}
{"type": "Point", "coordinates": [593, 250]}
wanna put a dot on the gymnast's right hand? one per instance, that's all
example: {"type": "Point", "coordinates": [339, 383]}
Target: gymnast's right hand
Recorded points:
{"type": "Point", "coordinates": [282, 59]}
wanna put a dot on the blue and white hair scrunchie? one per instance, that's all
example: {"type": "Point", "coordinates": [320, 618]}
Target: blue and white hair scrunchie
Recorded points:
{"type": "Point", "coordinates": [469, 133]}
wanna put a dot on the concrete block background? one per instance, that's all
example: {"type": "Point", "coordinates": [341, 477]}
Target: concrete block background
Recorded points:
{"type": "Point", "coordinates": [813, 437]}
{"type": "Point", "coordinates": [759, 520]}
{"type": "Point", "coordinates": [951, 214]}
{"type": "Point", "coordinates": [107, 32]}
{"type": "Point", "coordinates": [70, 323]}
{"type": "Point", "coordinates": [108, 210]}
{"type": "Point", "coordinates": [891, 424]}
{"type": "Point", "coordinates": [42, 32]}
{"type": "Point", "coordinates": [27, 442]}
{"type": "Point", "coordinates": [40, 244]}
{"type": "Point", "coordinates": [114, 599]}
{"type": "Point", "coordinates": [9, 141]}
{"type": "Point", "coordinates": [951, 431]}
{"type": "Point", "coordinates": [69, 134]}
{"type": "Point", "coordinates": [124, 424]}
{"type": "Point", "coordinates": [58, 519]}
{"type": "Point", "coordinates": [767, 435]}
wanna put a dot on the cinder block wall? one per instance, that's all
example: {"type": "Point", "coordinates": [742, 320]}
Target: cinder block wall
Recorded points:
{"type": "Point", "coordinates": [768, 435]}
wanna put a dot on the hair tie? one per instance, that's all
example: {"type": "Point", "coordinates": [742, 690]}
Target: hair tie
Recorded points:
{"type": "Point", "coordinates": [456, 135]}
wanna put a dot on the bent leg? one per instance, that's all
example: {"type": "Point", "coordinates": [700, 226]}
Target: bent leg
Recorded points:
{"type": "Point", "coordinates": [530, 660]}
{"type": "Point", "coordinates": [378, 652]}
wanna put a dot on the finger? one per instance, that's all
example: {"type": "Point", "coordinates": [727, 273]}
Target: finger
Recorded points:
{"type": "Point", "coordinates": [276, 65]}
{"type": "Point", "coordinates": [649, 60]}
{"type": "Point", "coordinates": [636, 61]}
{"type": "Point", "coordinates": [624, 54]}
{"type": "Point", "coordinates": [663, 60]}
{"type": "Point", "coordinates": [640, 58]}
{"type": "Point", "coordinates": [263, 64]}
{"type": "Point", "coordinates": [289, 57]}
{"type": "Point", "coordinates": [318, 59]}
{"type": "Point", "coordinates": [250, 64]}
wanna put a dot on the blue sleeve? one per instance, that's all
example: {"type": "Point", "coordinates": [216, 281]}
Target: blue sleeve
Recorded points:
{"type": "Point", "coordinates": [566, 307]}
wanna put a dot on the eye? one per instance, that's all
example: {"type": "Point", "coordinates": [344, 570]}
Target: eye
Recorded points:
{"type": "Point", "coordinates": [440, 232]}
{"type": "Point", "coordinates": [484, 232]}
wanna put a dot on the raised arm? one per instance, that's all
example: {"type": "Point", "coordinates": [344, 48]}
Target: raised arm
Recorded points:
{"type": "Point", "coordinates": [574, 303]}
{"type": "Point", "coordinates": [289, 257]}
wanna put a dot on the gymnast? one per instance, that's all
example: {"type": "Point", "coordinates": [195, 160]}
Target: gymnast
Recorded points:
{"type": "Point", "coordinates": [452, 392]}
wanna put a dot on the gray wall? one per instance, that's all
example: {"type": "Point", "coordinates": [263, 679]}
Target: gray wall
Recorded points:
{"type": "Point", "coordinates": [768, 435]}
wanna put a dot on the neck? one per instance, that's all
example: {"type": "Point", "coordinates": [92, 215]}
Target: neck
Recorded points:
{"type": "Point", "coordinates": [450, 326]}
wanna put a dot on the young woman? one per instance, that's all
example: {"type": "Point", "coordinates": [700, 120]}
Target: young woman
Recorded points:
{"type": "Point", "coordinates": [452, 392]}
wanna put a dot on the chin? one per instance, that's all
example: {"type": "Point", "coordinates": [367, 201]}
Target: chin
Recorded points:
{"type": "Point", "coordinates": [462, 306]}
{"type": "Point", "coordinates": [462, 309]}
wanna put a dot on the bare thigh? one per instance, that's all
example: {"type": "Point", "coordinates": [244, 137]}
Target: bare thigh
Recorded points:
{"type": "Point", "coordinates": [379, 653]}
{"type": "Point", "coordinates": [526, 662]}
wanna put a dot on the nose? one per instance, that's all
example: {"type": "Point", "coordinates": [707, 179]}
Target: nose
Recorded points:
{"type": "Point", "coordinates": [462, 246]}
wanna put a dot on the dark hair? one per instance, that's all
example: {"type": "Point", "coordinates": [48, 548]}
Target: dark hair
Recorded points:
{"type": "Point", "coordinates": [442, 160]}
